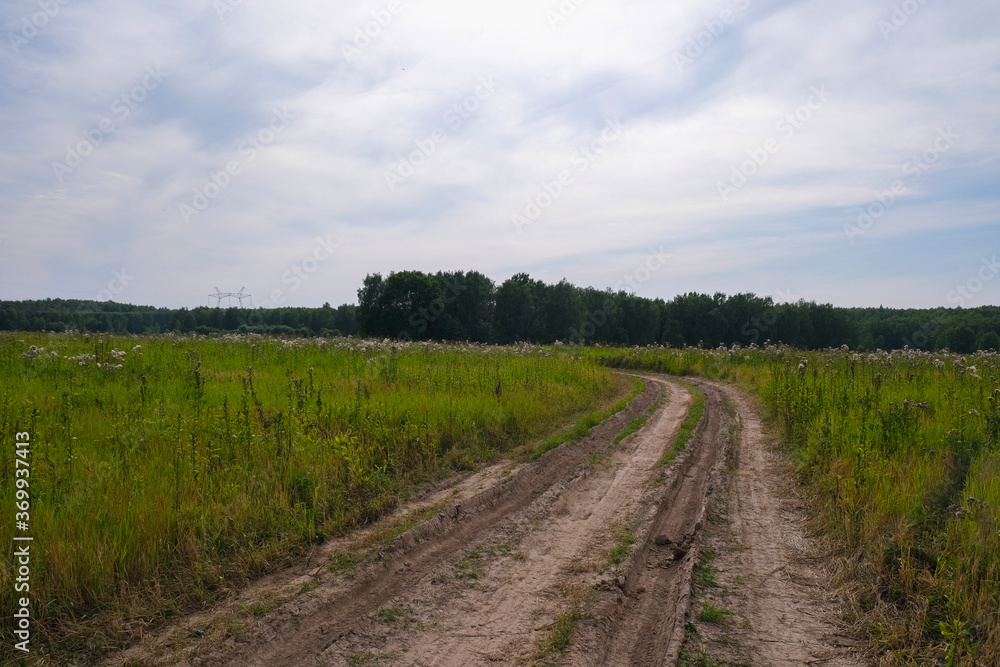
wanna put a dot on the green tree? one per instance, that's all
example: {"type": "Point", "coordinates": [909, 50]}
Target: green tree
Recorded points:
{"type": "Point", "coordinates": [515, 309]}
{"type": "Point", "coordinates": [960, 339]}
{"type": "Point", "coordinates": [563, 311]}
{"type": "Point", "coordinates": [989, 340]}
{"type": "Point", "coordinates": [369, 311]}
{"type": "Point", "coordinates": [409, 304]}
{"type": "Point", "coordinates": [468, 300]}
{"type": "Point", "coordinates": [345, 321]}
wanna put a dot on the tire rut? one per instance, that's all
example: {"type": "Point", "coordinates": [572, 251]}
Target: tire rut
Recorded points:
{"type": "Point", "coordinates": [644, 623]}
{"type": "Point", "coordinates": [299, 637]}
{"type": "Point", "coordinates": [772, 576]}
{"type": "Point", "coordinates": [561, 542]}
{"type": "Point", "coordinates": [558, 512]}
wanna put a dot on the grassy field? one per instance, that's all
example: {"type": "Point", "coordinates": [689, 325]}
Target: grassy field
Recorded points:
{"type": "Point", "coordinates": [901, 454]}
{"type": "Point", "coordinates": [168, 470]}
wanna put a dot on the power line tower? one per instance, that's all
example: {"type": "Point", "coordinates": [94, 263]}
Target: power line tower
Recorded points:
{"type": "Point", "coordinates": [229, 296]}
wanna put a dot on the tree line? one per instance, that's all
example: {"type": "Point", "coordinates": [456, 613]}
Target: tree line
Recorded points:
{"type": "Point", "coordinates": [469, 306]}
{"type": "Point", "coordinates": [110, 317]}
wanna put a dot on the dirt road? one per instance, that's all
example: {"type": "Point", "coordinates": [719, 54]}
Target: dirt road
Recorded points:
{"type": "Point", "coordinates": [583, 557]}
{"type": "Point", "coordinates": [760, 564]}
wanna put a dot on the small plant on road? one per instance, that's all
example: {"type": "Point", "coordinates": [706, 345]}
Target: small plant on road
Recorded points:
{"type": "Point", "coordinates": [712, 614]}
{"type": "Point", "coordinates": [392, 615]}
{"type": "Point", "coordinates": [634, 426]}
{"type": "Point", "coordinates": [562, 632]}
{"type": "Point", "coordinates": [624, 544]}
{"type": "Point", "coordinates": [706, 574]}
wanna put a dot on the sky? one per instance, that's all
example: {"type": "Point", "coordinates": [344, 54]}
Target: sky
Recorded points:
{"type": "Point", "coordinates": [155, 152]}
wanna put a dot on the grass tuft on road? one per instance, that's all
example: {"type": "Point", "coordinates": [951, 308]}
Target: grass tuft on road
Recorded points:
{"type": "Point", "coordinates": [712, 614]}
{"type": "Point", "coordinates": [633, 426]}
{"type": "Point", "coordinates": [706, 574]}
{"type": "Point", "coordinates": [696, 410]}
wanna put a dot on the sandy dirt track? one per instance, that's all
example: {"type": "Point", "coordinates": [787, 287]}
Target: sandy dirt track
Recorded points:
{"type": "Point", "coordinates": [531, 566]}
{"type": "Point", "coordinates": [594, 542]}
{"type": "Point", "coordinates": [644, 623]}
{"type": "Point", "coordinates": [772, 575]}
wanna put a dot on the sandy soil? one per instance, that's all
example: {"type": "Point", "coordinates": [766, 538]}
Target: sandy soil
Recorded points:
{"type": "Point", "coordinates": [643, 624]}
{"type": "Point", "coordinates": [772, 575]}
{"type": "Point", "coordinates": [495, 608]}
{"type": "Point", "coordinates": [593, 544]}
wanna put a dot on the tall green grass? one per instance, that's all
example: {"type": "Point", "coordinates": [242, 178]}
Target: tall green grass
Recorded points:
{"type": "Point", "coordinates": [168, 470]}
{"type": "Point", "coordinates": [901, 452]}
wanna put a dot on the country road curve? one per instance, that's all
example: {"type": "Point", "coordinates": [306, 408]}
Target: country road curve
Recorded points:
{"type": "Point", "coordinates": [583, 557]}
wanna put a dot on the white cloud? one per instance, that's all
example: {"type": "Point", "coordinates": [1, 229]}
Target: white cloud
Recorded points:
{"type": "Point", "coordinates": [355, 120]}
